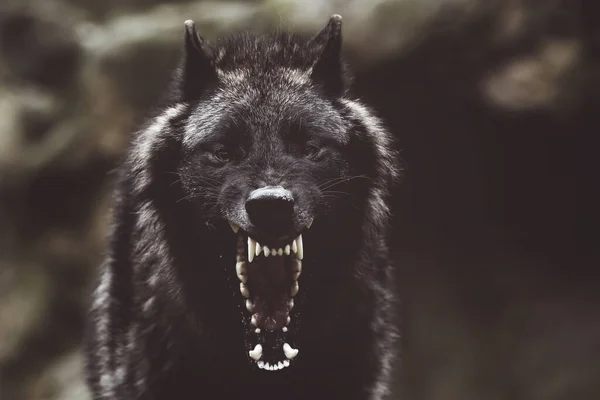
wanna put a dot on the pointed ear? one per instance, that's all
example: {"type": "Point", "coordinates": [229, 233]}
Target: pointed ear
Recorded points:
{"type": "Point", "coordinates": [198, 71]}
{"type": "Point", "coordinates": [329, 70]}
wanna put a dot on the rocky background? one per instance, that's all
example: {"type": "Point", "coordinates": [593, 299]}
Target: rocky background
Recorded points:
{"type": "Point", "coordinates": [494, 103]}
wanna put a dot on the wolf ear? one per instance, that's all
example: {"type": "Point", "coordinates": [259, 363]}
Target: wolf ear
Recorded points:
{"type": "Point", "coordinates": [329, 70]}
{"type": "Point", "coordinates": [198, 70]}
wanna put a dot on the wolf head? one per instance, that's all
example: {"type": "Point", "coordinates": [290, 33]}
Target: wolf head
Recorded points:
{"type": "Point", "coordinates": [269, 145]}
{"type": "Point", "coordinates": [264, 127]}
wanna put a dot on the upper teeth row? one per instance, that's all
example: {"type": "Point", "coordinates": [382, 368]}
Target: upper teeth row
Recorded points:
{"type": "Point", "coordinates": [254, 249]}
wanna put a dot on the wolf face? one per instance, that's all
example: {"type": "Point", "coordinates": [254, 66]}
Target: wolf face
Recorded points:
{"type": "Point", "coordinates": [250, 232]}
{"type": "Point", "coordinates": [269, 149]}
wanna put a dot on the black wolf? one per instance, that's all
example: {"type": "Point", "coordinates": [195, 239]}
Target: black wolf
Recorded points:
{"type": "Point", "coordinates": [248, 256]}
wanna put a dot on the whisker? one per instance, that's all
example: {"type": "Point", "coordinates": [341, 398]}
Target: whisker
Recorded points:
{"type": "Point", "coordinates": [336, 192]}
{"type": "Point", "coordinates": [338, 181]}
{"type": "Point", "coordinates": [342, 179]}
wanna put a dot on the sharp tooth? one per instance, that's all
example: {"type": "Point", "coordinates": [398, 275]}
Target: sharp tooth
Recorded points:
{"type": "Point", "coordinates": [267, 251]}
{"type": "Point", "coordinates": [253, 320]}
{"type": "Point", "coordinates": [296, 266]}
{"type": "Point", "coordinates": [280, 365]}
{"type": "Point", "coordinates": [257, 330]}
{"type": "Point", "coordinates": [249, 305]}
{"type": "Point", "coordinates": [244, 290]}
{"type": "Point", "coordinates": [235, 228]}
{"type": "Point", "coordinates": [256, 354]}
{"type": "Point", "coordinates": [295, 289]}
{"type": "Point", "coordinates": [287, 250]}
{"type": "Point", "coordinates": [288, 320]}
{"type": "Point", "coordinates": [291, 303]}
{"type": "Point", "coordinates": [261, 364]}
{"type": "Point", "coordinates": [275, 367]}
{"type": "Point", "coordinates": [241, 270]}
{"type": "Point", "coordinates": [296, 269]}
{"type": "Point", "coordinates": [258, 249]}
{"type": "Point", "coordinates": [309, 224]}
{"type": "Point", "coordinates": [286, 363]}
{"type": "Point", "coordinates": [271, 368]}
{"type": "Point", "coordinates": [289, 351]}
{"type": "Point", "coordinates": [280, 252]}
{"type": "Point", "coordinates": [284, 329]}
{"type": "Point", "coordinates": [294, 246]}
{"type": "Point", "coordinates": [266, 366]}
{"type": "Point", "coordinates": [300, 247]}
{"type": "Point", "coordinates": [251, 248]}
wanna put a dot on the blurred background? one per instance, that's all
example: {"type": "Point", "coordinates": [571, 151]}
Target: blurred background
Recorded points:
{"type": "Point", "coordinates": [493, 103]}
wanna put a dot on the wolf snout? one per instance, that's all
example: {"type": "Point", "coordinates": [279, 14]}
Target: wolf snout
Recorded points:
{"type": "Point", "coordinates": [270, 207]}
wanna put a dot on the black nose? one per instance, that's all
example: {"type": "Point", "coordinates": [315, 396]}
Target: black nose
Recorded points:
{"type": "Point", "coordinates": [270, 207]}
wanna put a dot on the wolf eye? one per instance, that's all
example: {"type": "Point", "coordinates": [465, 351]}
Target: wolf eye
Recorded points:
{"type": "Point", "coordinates": [313, 151]}
{"type": "Point", "coordinates": [222, 155]}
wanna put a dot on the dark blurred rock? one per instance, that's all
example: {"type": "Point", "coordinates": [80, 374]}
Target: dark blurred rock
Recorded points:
{"type": "Point", "coordinates": [39, 50]}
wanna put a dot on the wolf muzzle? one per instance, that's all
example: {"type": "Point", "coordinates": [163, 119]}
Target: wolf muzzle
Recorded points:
{"type": "Point", "coordinates": [270, 207]}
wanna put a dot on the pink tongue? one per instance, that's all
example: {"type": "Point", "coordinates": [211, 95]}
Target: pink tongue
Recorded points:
{"type": "Point", "coordinates": [270, 285]}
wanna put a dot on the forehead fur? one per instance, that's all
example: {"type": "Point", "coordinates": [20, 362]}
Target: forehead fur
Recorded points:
{"type": "Point", "coordinates": [264, 112]}
{"type": "Point", "coordinates": [260, 54]}
{"type": "Point", "coordinates": [263, 82]}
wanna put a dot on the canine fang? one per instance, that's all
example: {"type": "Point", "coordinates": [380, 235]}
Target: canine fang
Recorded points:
{"type": "Point", "coordinates": [251, 249]}
{"type": "Point", "coordinates": [256, 353]}
{"type": "Point", "coordinates": [289, 351]}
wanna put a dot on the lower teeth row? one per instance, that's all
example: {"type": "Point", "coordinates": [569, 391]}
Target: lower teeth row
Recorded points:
{"type": "Point", "coordinates": [289, 351]}
{"type": "Point", "coordinates": [273, 367]}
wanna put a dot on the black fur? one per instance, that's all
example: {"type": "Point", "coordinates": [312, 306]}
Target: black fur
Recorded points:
{"type": "Point", "coordinates": [168, 320]}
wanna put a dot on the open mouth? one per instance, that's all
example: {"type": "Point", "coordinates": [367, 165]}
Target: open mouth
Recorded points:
{"type": "Point", "coordinates": [268, 284]}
